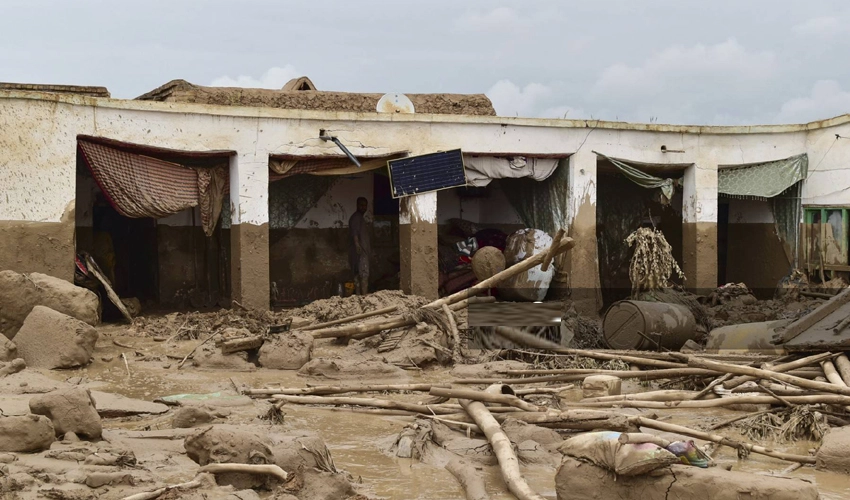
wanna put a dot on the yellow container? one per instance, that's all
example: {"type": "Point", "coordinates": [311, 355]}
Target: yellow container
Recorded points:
{"type": "Point", "coordinates": [349, 289]}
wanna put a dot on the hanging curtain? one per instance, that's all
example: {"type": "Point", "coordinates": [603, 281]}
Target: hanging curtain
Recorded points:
{"type": "Point", "coordinates": [541, 204]}
{"type": "Point", "coordinates": [292, 198]}
{"type": "Point", "coordinates": [779, 181]}
{"type": "Point", "coordinates": [643, 179]}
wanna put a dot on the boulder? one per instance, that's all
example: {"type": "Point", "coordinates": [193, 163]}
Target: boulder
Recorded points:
{"type": "Point", "coordinates": [190, 416]}
{"type": "Point", "coordinates": [26, 433]}
{"type": "Point", "coordinates": [576, 479]}
{"type": "Point", "coordinates": [352, 369]}
{"type": "Point", "coordinates": [287, 351]}
{"type": "Point", "coordinates": [209, 357]}
{"type": "Point", "coordinates": [20, 293]}
{"type": "Point", "coordinates": [833, 453]}
{"type": "Point", "coordinates": [8, 349]}
{"type": "Point", "coordinates": [70, 410]}
{"type": "Point", "coordinates": [597, 386]}
{"type": "Point", "coordinates": [226, 444]}
{"type": "Point", "coordinates": [50, 339]}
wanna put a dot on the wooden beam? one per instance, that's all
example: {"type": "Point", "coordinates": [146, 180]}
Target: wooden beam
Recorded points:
{"type": "Point", "coordinates": [801, 325]}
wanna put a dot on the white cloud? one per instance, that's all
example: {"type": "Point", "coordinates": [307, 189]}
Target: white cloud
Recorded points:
{"type": "Point", "coordinates": [511, 100]}
{"type": "Point", "coordinates": [826, 100]}
{"type": "Point", "coordinates": [822, 27]}
{"type": "Point", "coordinates": [274, 78]}
{"type": "Point", "coordinates": [498, 20]}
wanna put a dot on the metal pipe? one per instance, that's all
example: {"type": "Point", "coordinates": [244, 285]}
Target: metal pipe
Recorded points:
{"type": "Point", "coordinates": [342, 147]}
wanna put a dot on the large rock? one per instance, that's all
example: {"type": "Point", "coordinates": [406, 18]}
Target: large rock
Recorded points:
{"type": "Point", "coordinates": [190, 416]}
{"type": "Point", "coordinates": [50, 339]}
{"type": "Point", "coordinates": [597, 386]}
{"type": "Point", "coordinates": [834, 453]}
{"type": "Point", "coordinates": [352, 369]}
{"type": "Point", "coordinates": [225, 444]}
{"type": "Point", "coordinates": [26, 433]}
{"type": "Point", "coordinates": [287, 351]}
{"type": "Point", "coordinates": [20, 293]}
{"type": "Point", "coordinates": [577, 479]}
{"type": "Point", "coordinates": [70, 410]}
{"type": "Point", "coordinates": [209, 357]}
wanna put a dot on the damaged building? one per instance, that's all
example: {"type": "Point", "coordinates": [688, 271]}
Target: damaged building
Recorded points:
{"type": "Point", "coordinates": [201, 196]}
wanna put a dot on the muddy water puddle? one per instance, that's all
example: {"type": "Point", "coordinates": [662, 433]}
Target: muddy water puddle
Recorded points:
{"type": "Point", "coordinates": [354, 438]}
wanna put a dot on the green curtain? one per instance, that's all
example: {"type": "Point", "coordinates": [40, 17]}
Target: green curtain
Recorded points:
{"type": "Point", "coordinates": [292, 197]}
{"type": "Point", "coordinates": [541, 204]}
{"type": "Point", "coordinates": [643, 179]}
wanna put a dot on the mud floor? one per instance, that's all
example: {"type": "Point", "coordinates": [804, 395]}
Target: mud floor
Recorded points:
{"type": "Point", "coordinates": [351, 437]}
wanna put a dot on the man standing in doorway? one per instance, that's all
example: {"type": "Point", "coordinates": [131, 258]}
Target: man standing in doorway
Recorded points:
{"type": "Point", "coordinates": [360, 246]}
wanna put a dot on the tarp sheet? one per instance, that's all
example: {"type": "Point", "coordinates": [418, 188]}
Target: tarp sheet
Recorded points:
{"type": "Point", "coordinates": [643, 179]}
{"type": "Point", "coordinates": [282, 167]}
{"type": "Point", "coordinates": [762, 180]}
{"type": "Point", "coordinates": [541, 204]}
{"type": "Point", "coordinates": [480, 170]}
{"type": "Point", "coordinates": [142, 186]}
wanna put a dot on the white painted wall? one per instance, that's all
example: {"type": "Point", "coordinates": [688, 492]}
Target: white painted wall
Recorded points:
{"type": "Point", "coordinates": [38, 145]}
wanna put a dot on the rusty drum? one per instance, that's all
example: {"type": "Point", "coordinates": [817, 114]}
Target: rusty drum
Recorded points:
{"type": "Point", "coordinates": [633, 324]}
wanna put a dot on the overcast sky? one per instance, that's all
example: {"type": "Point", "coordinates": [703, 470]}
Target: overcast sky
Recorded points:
{"type": "Point", "coordinates": [665, 61]}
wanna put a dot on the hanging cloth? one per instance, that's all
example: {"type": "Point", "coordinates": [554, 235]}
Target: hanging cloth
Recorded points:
{"type": "Point", "coordinates": [643, 179]}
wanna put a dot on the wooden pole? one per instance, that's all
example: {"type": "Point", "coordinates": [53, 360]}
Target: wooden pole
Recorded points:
{"type": "Point", "coordinates": [334, 389]}
{"type": "Point", "coordinates": [833, 399]}
{"type": "Point", "coordinates": [486, 397]}
{"type": "Point", "coordinates": [715, 438]}
{"type": "Point", "coordinates": [372, 402]}
{"type": "Point", "coordinates": [457, 357]}
{"type": "Point", "coordinates": [842, 364]}
{"type": "Point", "coordinates": [769, 375]}
{"type": "Point", "coordinates": [785, 367]}
{"type": "Point", "coordinates": [508, 462]}
{"type": "Point", "coordinates": [377, 312]}
{"type": "Point", "coordinates": [470, 480]}
{"type": "Point", "coordinates": [641, 375]}
{"type": "Point", "coordinates": [269, 469]}
{"type": "Point", "coordinates": [562, 246]}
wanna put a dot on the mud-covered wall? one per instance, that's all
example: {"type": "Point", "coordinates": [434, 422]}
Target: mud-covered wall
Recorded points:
{"type": "Point", "coordinates": [754, 252]}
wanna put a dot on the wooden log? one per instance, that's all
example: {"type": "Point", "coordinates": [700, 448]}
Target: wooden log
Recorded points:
{"type": "Point", "coordinates": [816, 295]}
{"type": "Point", "coordinates": [833, 399]}
{"type": "Point", "coordinates": [833, 376]}
{"type": "Point", "coordinates": [113, 297]}
{"type": "Point", "coordinates": [457, 357]}
{"type": "Point", "coordinates": [782, 368]}
{"type": "Point", "coordinates": [151, 495]}
{"type": "Point", "coordinates": [641, 375]}
{"type": "Point", "coordinates": [572, 419]}
{"type": "Point", "coordinates": [562, 246]}
{"type": "Point", "coordinates": [470, 480]}
{"type": "Point", "coordinates": [341, 389]}
{"type": "Point", "coordinates": [268, 469]}
{"type": "Point", "coordinates": [243, 344]}
{"type": "Point", "coordinates": [844, 323]}
{"type": "Point", "coordinates": [364, 330]}
{"type": "Point", "coordinates": [809, 320]}
{"type": "Point", "coordinates": [543, 390]}
{"type": "Point", "coordinates": [842, 364]}
{"type": "Point", "coordinates": [716, 438]}
{"type": "Point", "coordinates": [769, 375]}
{"type": "Point", "coordinates": [664, 395]}
{"type": "Point", "coordinates": [486, 397]}
{"type": "Point", "coordinates": [503, 449]}
{"type": "Point", "coordinates": [371, 402]}
{"type": "Point", "coordinates": [714, 383]}
{"type": "Point", "coordinates": [349, 319]}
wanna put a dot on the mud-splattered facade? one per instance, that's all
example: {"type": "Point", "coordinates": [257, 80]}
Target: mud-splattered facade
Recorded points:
{"type": "Point", "coordinates": [721, 240]}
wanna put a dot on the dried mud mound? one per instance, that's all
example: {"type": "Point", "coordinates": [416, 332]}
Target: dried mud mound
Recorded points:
{"type": "Point", "coordinates": [338, 307]}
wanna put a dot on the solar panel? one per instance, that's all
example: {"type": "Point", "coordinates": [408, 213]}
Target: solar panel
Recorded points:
{"type": "Point", "coordinates": [424, 173]}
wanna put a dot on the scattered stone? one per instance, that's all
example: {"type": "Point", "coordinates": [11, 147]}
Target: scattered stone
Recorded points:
{"type": "Point", "coordinates": [348, 369]}
{"type": "Point", "coordinates": [244, 495]}
{"type": "Point", "coordinates": [577, 479]}
{"type": "Point", "coordinates": [224, 444]}
{"type": "Point", "coordinates": [71, 437]}
{"type": "Point", "coordinates": [50, 339]}
{"type": "Point", "coordinates": [100, 479]}
{"type": "Point", "coordinates": [20, 293]}
{"type": "Point", "coordinates": [833, 453]}
{"type": "Point", "coordinates": [596, 386]}
{"type": "Point", "coordinates": [133, 306]}
{"type": "Point", "coordinates": [190, 416]}
{"type": "Point", "coordinates": [7, 458]}
{"type": "Point", "coordinates": [8, 349]}
{"type": "Point", "coordinates": [487, 262]}
{"type": "Point", "coordinates": [111, 405]}
{"type": "Point", "coordinates": [70, 410]}
{"type": "Point", "coordinates": [690, 347]}
{"type": "Point", "coordinates": [287, 351]}
{"type": "Point", "coordinates": [26, 433]}
{"type": "Point", "coordinates": [107, 358]}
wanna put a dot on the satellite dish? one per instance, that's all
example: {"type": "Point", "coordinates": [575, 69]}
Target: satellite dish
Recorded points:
{"type": "Point", "coordinates": [395, 103]}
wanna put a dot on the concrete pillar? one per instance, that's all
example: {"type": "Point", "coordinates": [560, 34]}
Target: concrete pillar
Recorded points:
{"type": "Point", "coordinates": [699, 228]}
{"type": "Point", "coordinates": [418, 244]}
{"type": "Point", "coordinates": [583, 257]}
{"type": "Point", "coordinates": [249, 230]}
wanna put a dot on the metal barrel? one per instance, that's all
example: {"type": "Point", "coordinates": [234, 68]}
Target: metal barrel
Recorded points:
{"type": "Point", "coordinates": [633, 324]}
{"type": "Point", "coordinates": [746, 337]}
